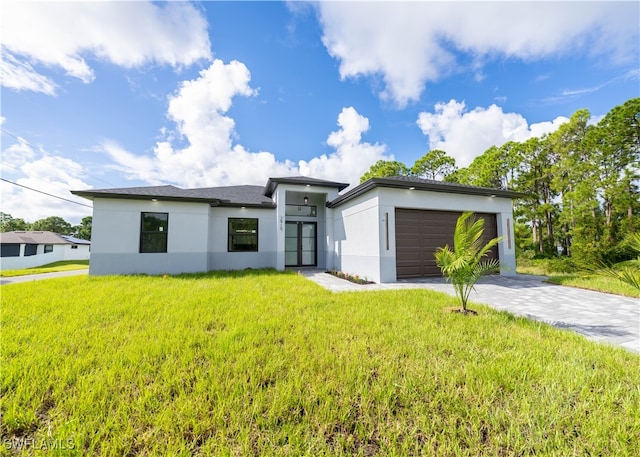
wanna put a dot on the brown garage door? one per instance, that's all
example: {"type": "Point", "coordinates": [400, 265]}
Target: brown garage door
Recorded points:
{"type": "Point", "coordinates": [420, 232]}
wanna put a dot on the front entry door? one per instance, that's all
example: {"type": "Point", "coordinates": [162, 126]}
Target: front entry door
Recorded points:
{"type": "Point", "coordinates": [300, 244]}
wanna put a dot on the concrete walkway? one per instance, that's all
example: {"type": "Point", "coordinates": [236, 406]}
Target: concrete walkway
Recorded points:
{"type": "Point", "coordinates": [28, 278]}
{"type": "Point", "coordinates": [601, 317]}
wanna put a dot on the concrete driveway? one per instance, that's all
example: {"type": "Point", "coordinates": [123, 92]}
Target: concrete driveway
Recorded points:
{"type": "Point", "coordinates": [601, 317]}
{"type": "Point", "coordinates": [596, 315]}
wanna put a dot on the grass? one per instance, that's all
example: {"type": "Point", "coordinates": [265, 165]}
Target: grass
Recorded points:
{"type": "Point", "coordinates": [63, 265]}
{"type": "Point", "coordinates": [532, 269]}
{"type": "Point", "coordinates": [544, 267]}
{"type": "Point", "coordinates": [566, 275]}
{"type": "Point", "coordinates": [267, 363]}
{"type": "Point", "coordinates": [597, 282]}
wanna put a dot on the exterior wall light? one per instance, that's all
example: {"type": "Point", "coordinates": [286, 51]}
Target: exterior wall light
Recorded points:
{"type": "Point", "coordinates": [306, 200]}
{"type": "Point", "coordinates": [412, 188]}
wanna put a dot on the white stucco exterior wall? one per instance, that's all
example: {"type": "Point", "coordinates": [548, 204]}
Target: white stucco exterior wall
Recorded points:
{"type": "Point", "coordinates": [59, 253]}
{"type": "Point", "coordinates": [361, 225]}
{"type": "Point", "coordinates": [81, 252]}
{"type": "Point", "coordinates": [356, 237]}
{"type": "Point", "coordinates": [116, 237]}
{"type": "Point", "coordinates": [220, 259]}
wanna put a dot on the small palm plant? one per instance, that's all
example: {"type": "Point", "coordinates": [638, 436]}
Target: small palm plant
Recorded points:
{"type": "Point", "coordinates": [464, 265]}
{"type": "Point", "coordinates": [629, 275]}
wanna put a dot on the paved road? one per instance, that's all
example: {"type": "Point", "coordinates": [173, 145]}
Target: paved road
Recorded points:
{"type": "Point", "coordinates": [601, 317]}
{"type": "Point", "coordinates": [27, 278]}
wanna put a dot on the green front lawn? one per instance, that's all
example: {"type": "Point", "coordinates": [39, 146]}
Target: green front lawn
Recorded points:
{"type": "Point", "coordinates": [561, 272]}
{"type": "Point", "coordinates": [267, 363]}
{"type": "Point", "coordinates": [63, 265]}
{"type": "Point", "coordinates": [595, 281]}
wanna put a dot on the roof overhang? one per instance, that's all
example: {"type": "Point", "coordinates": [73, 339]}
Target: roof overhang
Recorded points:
{"type": "Point", "coordinates": [214, 202]}
{"type": "Point", "coordinates": [229, 204]}
{"type": "Point", "coordinates": [90, 195]}
{"type": "Point", "coordinates": [450, 188]}
{"type": "Point", "coordinates": [272, 183]}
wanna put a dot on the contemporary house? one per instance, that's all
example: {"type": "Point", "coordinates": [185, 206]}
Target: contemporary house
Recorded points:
{"type": "Point", "coordinates": [27, 249]}
{"type": "Point", "coordinates": [384, 229]}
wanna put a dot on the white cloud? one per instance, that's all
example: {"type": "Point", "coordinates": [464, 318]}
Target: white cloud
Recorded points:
{"type": "Point", "coordinates": [465, 134]}
{"type": "Point", "coordinates": [129, 34]}
{"type": "Point", "coordinates": [412, 43]}
{"type": "Point", "coordinates": [630, 75]}
{"type": "Point", "coordinates": [212, 158]}
{"type": "Point", "coordinates": [352, 158]}
{"type": "Point", "coordinates": [19, 76]}
{"type": "Point", "coordinates": [198, 103]}
{"type": "Point", "coordinates": [539, 129]}
{"type": "Point", "coordinates": [17, 155]}
{"type": "Point", "coordinates": [51, 174]}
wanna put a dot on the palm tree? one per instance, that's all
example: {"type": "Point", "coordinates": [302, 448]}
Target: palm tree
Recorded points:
{"type": "Point", "coordinates": [464, 265]}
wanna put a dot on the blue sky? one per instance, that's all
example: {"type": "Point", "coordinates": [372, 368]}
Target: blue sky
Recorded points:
{"type": "Point", "coordinates": [120, 94]}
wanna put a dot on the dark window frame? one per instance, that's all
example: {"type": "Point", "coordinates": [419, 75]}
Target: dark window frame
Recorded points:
{"type": "Point", "coordinates": [48, 248]}
{"type": "Point", "coordinates": [154, 241]}
{"type": "Point", "coordinates": [10, 250]}
{"type": "Point", "coordinates": [233, 236]}
{"type": "Point", "coordinates": [30, 249]}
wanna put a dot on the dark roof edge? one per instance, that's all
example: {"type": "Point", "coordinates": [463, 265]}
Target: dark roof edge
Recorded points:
{"type": "Point", "coordinates": [89, 194]}
{"type": "Point", "coordinates": [228, 204]}
{"type": "Point", "coordinates": [270, 187]}
{"type": "Point", "coordinates": [433, 187]}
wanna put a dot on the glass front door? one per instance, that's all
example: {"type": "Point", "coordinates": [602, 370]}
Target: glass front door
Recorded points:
{"type": "Point", "coordinates": [300, 244]}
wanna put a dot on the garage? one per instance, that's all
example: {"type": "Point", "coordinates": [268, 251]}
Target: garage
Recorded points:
{"type": "Point", "coordinates": [420, 232]}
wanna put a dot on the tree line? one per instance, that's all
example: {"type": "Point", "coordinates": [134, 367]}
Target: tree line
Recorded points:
{"type": "Point", "coordinates": [581, 184]}
{"type": "Point", "coordinates": [54, 224]}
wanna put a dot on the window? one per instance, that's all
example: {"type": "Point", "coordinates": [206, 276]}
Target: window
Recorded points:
{"type": "Point", "coordinates": [48, 248]}
{"type": "Point", "coordinates": [30, 249]}
{"type": "Point", "coordinates": [300, 210]}
{"type": "Point", "coordinates": [9, 250]}
{"type": "Point", "coordinates": [153, 232]}
{"type": "Point", "coordinates": [243, 235]}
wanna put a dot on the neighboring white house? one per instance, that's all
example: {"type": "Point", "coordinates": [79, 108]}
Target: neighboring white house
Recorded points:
{"type": "Point", "coordinates": [383, 229]}
{"type": "Point", "coordinates": [27, 249]}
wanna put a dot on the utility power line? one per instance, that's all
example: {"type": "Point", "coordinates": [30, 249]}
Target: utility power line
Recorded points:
{"type": "Point", "coordinates": [23, 141]}
{"type": "Point", "coordinates": [35, 177]}
{"type": "Point", "coordinates": [45, 193]}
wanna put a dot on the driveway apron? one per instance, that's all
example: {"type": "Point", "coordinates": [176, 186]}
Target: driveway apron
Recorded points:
{"type": "Point", "coordinates": [601, 317]}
